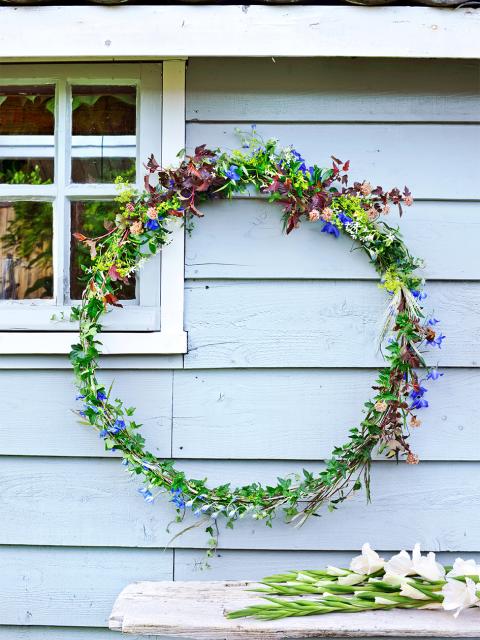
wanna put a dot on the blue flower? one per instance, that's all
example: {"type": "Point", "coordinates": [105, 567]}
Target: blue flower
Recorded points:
{"type": "Point", "coordinates": [118, 425]}
{"type": "Point", "coordinates": [147, 495]}
{"type": "Point", "coordinates": [419, 403]}
{"type": "Point", "coordinates": [328, 227]}
{"type": "Point", "coordinates": [432, 322]}
{"type": "Point", "coordinates": [177, 498]}
{"type": "Point", "coordinates": [103, 433]}
{"type": "Point", "coordinates": [418, 392]}
{"type": "Point", "coordinates": [152, 225]}
{"type": "Point", "coordinates": [436, 342]}
{"type": "Point", "coordinates": [420, 295]}
{"type": "Point", "coordinates": [232, 173]}
{"type": "Point", "coordinates": [298, 158]}
{"type": "Point", "coordinates": [344, 219]}
{"type": "Point", "coordinates": [82, 413]}
{"type": "Point", "coordinates": [434, 374]}
{"type": "Point", "coordinates": [125, 462]}
{"type": "Point", "coordinates": [79, 397]}
{"type": "Point", "coordinates": [101, 396]}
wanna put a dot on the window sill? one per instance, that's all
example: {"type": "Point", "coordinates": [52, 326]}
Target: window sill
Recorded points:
{"type": "Point", "coordinates": [196, 610]}
{"type": "Point", "coordinates": [59, 343]}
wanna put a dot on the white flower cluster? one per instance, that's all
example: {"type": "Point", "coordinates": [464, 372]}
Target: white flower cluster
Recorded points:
{"type": "Point", "coordinates": [460, 587]}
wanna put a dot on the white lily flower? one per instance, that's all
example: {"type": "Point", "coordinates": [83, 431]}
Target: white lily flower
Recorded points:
{"type": "Point", "coordinates": [400, 565]}
{"type": "Point", "coordinates": [393, 579]}
{"type": "Point", "coordinates": [432, 605]}
{"type": "Point", "coordinates": [427, 566]}
{"type": "Point", "coordinates": [380, 600]}
{"type": "Point", "coordinates": [351, 579]}
{"type": "Point", "coordinates": [409, 591]}
{"type": "Point", "coordinates": [367, 563]}
{"type": "Point", "coordinates": [459, 595]}
{"type": "Point", "coordinates": [464, 568]}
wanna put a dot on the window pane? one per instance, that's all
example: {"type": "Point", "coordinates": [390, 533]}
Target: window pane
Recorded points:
{"type": "Point", "coordinates": [102, 169]}
{"type": "Point", "coordinates": [27, 110]}
{"type": "Point", "coordinates": [26, 267]}
{"type": "Point", "coordinates": [26, 170]}
{"type": "Point", "coordinates": [103, 129]}
{"type": "Point", "coordinates": [87, 217]}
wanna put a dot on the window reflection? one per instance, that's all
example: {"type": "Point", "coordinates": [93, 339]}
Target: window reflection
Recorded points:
{"type": "Point", "coordinates": [26, 267]}
{"type": "Point", "coordinates": [87, 217]}
{"type": "Point", "coordinates": [103, 130]}
{"type": "Point", "coordinates": [27, 110]}
{"type": "Point", "coordinates": [26, 170]}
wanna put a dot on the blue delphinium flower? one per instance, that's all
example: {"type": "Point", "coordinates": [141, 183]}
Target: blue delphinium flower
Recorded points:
{"type": "Point", "coordinates": [80, 397]}
{"type": "Point", "coordinates": [434, 374]}
{"type": "Point", "coordinates": [437, 341]}
{"type": "Point", "coordinates": [432, 322]}
{"type": "Point", "coordinates": [152, 225]}
{"type": "Point", "coordinates": [177, 498]}
{"type": "Point", "coordinates": [344, 219]}
{"type": "Point", "coordinates": [147, 495]}
{"type": "Point", "coordinates": [419, 403]}
{"type": "Point", "coordinates": [328, 227]}
{"type": "Point", "coordinates": [420, 295]}
{"type": "Point", "coordinates": [101, 396]}
{"type": "Point", "coordinates": [298, 158]}
{"type": "Point", "coordinates": [232, 173]}
{"type": "Point", "coordinates": [103, 433]}
{"type": "Point", "coordinates": [125, 462]}
{"type": "Point", "coordinates": [118, 425]}
{"type": "Point", "coordinates": [418, 392]}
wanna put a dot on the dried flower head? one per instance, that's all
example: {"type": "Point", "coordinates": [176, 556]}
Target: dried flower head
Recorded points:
{"type": "Point", "coordinates": [412, 458]}
{"type": "Point", "coordinates": [152, 213]}
{"type": "Point", "coordinates": [408, 200]}
{"type": "Point", "coordinates": [386, 210]}
{"type": "Point", "coordinates": [415, 422]}
{"type": "Point", "coordinates": [365, 188]}
{"type": "Point", "coordinates": [327, 214]}
{"type": "Point", "coordinates": [381, 406]}
{"type": "Point", "coordinates": [136, 228]}
{"type": "Point", "coordinates": [372, 214]}
{"type": "Point", "coordinates": [314, 215]}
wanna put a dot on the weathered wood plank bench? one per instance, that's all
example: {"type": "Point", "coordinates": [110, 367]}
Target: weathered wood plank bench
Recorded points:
{"type": "Point", "coordinates": [197, 610]}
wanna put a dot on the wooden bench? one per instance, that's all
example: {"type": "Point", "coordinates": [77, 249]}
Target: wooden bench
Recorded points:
{"type": "Point", "coordinates": [196, 610]}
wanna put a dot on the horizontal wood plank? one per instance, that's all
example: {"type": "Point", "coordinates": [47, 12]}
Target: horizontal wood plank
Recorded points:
{"type": "Point", "coordinates": [243, 238]}
{"type": "Point", "coordinates": [423, 156]}
{"type": "Point", "coordinates": [10, 632]}
{"type": "Point", "coordinates": [95, 33]}
{"type": "Point", "coordinates": [80, 502]}
{"type": "Point", "coordinates": [106, 362]}
{"type": "Point", "coordinates": [312, 324]}
{"type": "Point", "coordinates": [46, 424]}
{"type": "Point", "coordinates": [197, 610]}
{"type": "Point", "coordinates": [71, 587]}
{"type": "Point", "coordinates": [294, 414]}
{"type": "Point", "coordinates": [332, 90]}
{"type": "Point", "coordinates": [230, 564]}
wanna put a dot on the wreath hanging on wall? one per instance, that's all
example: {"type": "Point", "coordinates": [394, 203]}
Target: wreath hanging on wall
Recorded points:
{"type": "Point", "coordinates": [319, 196]}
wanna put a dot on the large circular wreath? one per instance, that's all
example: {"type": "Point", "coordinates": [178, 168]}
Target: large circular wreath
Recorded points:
{"type": "Point", "coordinates": [305, 193]}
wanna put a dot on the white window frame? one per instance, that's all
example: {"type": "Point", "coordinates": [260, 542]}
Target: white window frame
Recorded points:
{"type": "Point", "coordinates": [154, 326]}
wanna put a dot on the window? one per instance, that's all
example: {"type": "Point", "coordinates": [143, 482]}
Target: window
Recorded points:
{"type": "Point", "coordinates": [66, 133]}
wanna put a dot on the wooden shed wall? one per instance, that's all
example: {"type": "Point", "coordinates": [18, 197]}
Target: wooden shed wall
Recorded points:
{"type": "Point", "coordinates": [280, 360]}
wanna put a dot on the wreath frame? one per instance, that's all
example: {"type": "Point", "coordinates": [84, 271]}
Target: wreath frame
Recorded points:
{"type": "Point", "coordinates": [315, 194]}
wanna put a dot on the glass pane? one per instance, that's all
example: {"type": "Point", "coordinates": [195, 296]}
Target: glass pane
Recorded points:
{"type": "Point", "coordinates": [26, 266]}
{"type": "Point", "coordinates": [27, 110]}
{"type": "Point", "coordinates": [26, 170]}
{"type": "Point", "coordinates": [102, 169]}
{"type": "Point", "coordinates": [103, 130]}
{"type": "Point", "coordinates": [87, 217]}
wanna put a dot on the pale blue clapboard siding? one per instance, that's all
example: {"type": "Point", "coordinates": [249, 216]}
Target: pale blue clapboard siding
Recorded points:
{"type": "Point", "coordinates": [44, 583]}
{"type": "Point", "coordinates": [333, 90]}
{"type": "Point", "coordinates": [423, 156]}
{"type": "Point", "coordinates": [54, 430]}
{"type": "Point", "coordinates": [252, 413]}
{"type": "Point", "coordinates": [281, 331]}
{"type": "Point", "coordinates": [212, 407]}
{"type": "Point", "coordinates": [255, 565]}
{"type": "Point", "coordinates": [88, 502]}
{"type": "Point", "coordinates": [305, 323]}
{"type": "Point", "coordinates": [258, 248]}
